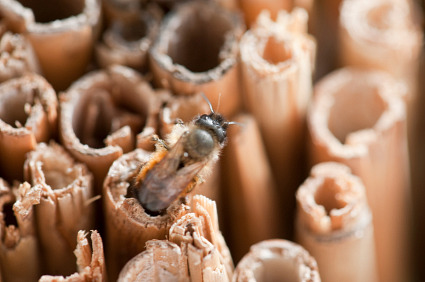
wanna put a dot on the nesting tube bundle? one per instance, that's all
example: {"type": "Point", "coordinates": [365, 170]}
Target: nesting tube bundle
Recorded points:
{"type": "Point", "coordinates": [196, 51]}
{"type": "Point", "coordinates": [90, 261]}
{"type": "Point", "coordinates": [277, 260]}
{"type": "Point", "coordinates": [62, 38]}
{"type": "Point", "coordinates": [102, 113]}
{"type": "Point", "coordinates": [196, 250]}
{"type": "Point", "coordinates": [128, 226]}
{"type": "Point", "coordinates": [16, 57]}
{"type": "Point", "coordinates": [334, 224]}
{"type": "Point", "coordinates": [18, 239]}
{"type": "Point", "coordinates": [358, 118]}
{"type": "Point", "coordinates": [277, 65]}
{"type": "Point", "coordinates": [28, 115]}
{"type": "Point", "coordinates": [65, 204]}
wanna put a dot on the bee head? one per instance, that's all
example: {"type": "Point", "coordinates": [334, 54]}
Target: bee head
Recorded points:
{"type": "Point", "coordinates": [214, 123]}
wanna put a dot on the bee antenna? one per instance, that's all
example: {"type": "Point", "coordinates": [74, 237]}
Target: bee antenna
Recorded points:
{"type": "Point", "coordinates": [219, 100]}
{"type": "Point", "coordinates": [208, 101]}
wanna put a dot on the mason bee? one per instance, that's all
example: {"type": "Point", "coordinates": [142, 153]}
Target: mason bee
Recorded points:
{"type": "Point", "coordinates": [173, 172]}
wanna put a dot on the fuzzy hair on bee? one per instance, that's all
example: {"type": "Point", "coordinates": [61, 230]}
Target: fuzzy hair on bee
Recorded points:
{"type": "Point", "coordinates": [179, 163]}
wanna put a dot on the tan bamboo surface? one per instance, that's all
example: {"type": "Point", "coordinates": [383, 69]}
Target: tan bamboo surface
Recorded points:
{"type": "Point", "coordinates": [384, 35]}
{"type": "Point", "coordinates": [276, 260]}
{"type": "Point", "coordinates": [252, 8]}
{"type": "Point", "coordinates": [101, 114]}
{"type": "Point", "coordinates": [334, 224]}
{"type": "Point", "coordinates": [19, 252]}
{"type": "Point", "coordinates": [128, 226]}
{"type": "Point", "coordinates": [28, 115]}
{"type": "Point", "coordinates": [180, 63]}
{"type": "Point", "coordinates": [90, 261]}
{"type": "Point", "coordinates": [127, 41]}
{"type": "Point", "coordinates": [16, 57]}
{"type": "Point", "coordinates": [65, 205]}
{"type": "Point", "coordinates": [277, 65]}
{"type": "Point", "coordinates": [196, 250]}
{"type": "Point", "coordinates": [251, 206]}
{"type": "Point", "coordinates": [62, 38]}
{"type": "Point", "coordinates": [358, 118]}
{"type": "Point", "coordinates": [177, 109]}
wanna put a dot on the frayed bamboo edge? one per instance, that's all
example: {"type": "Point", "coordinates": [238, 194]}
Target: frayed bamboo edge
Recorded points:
{"type": "Point", "coordinates": [358, 118]}
{"type": "Point", "coordinates": [277, 65]}
{"type": "Point", "coordinates": [19, 245]}
{"type": "Point", "coordinates": [277, 260]}
{"type": "Point", "coordinates": [196, 250]}
{"type": "Point", "coordinates": [128, 226]}
{"type": "Point", "coordinates": [115, 104]}
{"type": "Point", "coordinates": [29, 118]}
{"type": "Point", "coordinates": [184, 69]}
{"type": "Point", "coordinates": [67, 188]}
{"type": "Point", "coordinates": [334, 224]}
{"type": "Point", "coordinates": [90, 261]}
{"type": "Point", "coordinates": [16, 57]}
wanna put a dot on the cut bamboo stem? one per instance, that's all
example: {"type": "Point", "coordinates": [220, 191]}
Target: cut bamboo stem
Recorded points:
{"type": "Point", "coordinates": [28, 115]}
{"type": "Point", "coordinates": [196, 250]}
{"type": "Point", "coordinates": [90, 261]}
{"type": "Point", "coordinates": [358, 118]}
{"type": "Point", "coordinates": [127, 41]}
{"type": "Point", "coordinates": [371, 32]}
{"type": "Point", "coordinates": [62, 38]}
{"type": "Point", "coordinates": [64, 209]}
{"type": "Point", "coordinates": [102, 113]}
{"type": "Point", "coordinates": [277, 65]}
{"type": "Point", "coordinates": [196, 51]}
{"type": "Point", "coordinates": [276, 260]}
{"type": "Point", "coordinates": [252, 8]}
{"type": "Point", "coordinates": [16, 57]}
{"type": "Point", "coordinates": [334, 224]}
{"type": "Point", "coordinates": [19, 245]}
{"type": "Point", "coordinates": [251, 212]}
{"type": "Point", "coordinates": [128, 226]}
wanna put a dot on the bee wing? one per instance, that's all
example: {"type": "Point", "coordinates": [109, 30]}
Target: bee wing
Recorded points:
{"type": "Point", "coordinates": [160, 189]}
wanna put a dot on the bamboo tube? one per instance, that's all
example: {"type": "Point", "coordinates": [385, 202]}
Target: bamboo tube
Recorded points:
{"type": "Point", "coordinates": [16, 57]}
{"type": "Point", "coordinates": [250, 194]}
{"type": "Point", "coordinates": [177, 109]}
{"type": "Point", "coordinates": [115, 104]}
{"type": "Point", "coordinates": [18, 240]}
{"type": "Point", "coordinates": [196, 51]}
{"type": "Point", "coordinates": [62, 35]}
{"type": "Point", "coordinates": [162, 261]}
{"type": "Point", "coordinates": [252, 8]}
{"type": "Point", "coordinates": [276, 260]}
{"type": "Point", "coordinates": [198, 235]}
{"type": "Point", "coordinates": [334, 224]}
{"type": "Point", "coordinates": [196, 250]}
{"type": "Point", "coordinates": [370, 32]}
{"type": "Point", "coordinates": [64, 208]}
{"type": "Point", "coordinates": [127, 41]}
{"type": "Point", "coordinates": [128, 226]}
{"type": "Point", "coordinates": [90, 261]}
{"type": "Point", "coordinates": [277, 64]}
{"type": "Point", "coordinates": [28, 115]}
{"type": "Point", "coordinates": [358, 118]}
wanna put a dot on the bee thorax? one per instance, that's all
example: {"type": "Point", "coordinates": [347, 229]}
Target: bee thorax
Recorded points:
{"type": "Point", "coordinates": [200, 143]}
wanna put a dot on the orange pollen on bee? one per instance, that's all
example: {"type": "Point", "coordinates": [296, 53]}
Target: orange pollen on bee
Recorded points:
{"type": "Point", "coordinates": [156, 158]}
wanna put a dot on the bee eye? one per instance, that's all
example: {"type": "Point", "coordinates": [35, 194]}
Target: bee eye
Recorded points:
{"type": "Point", "coordinates": [200, 143]}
